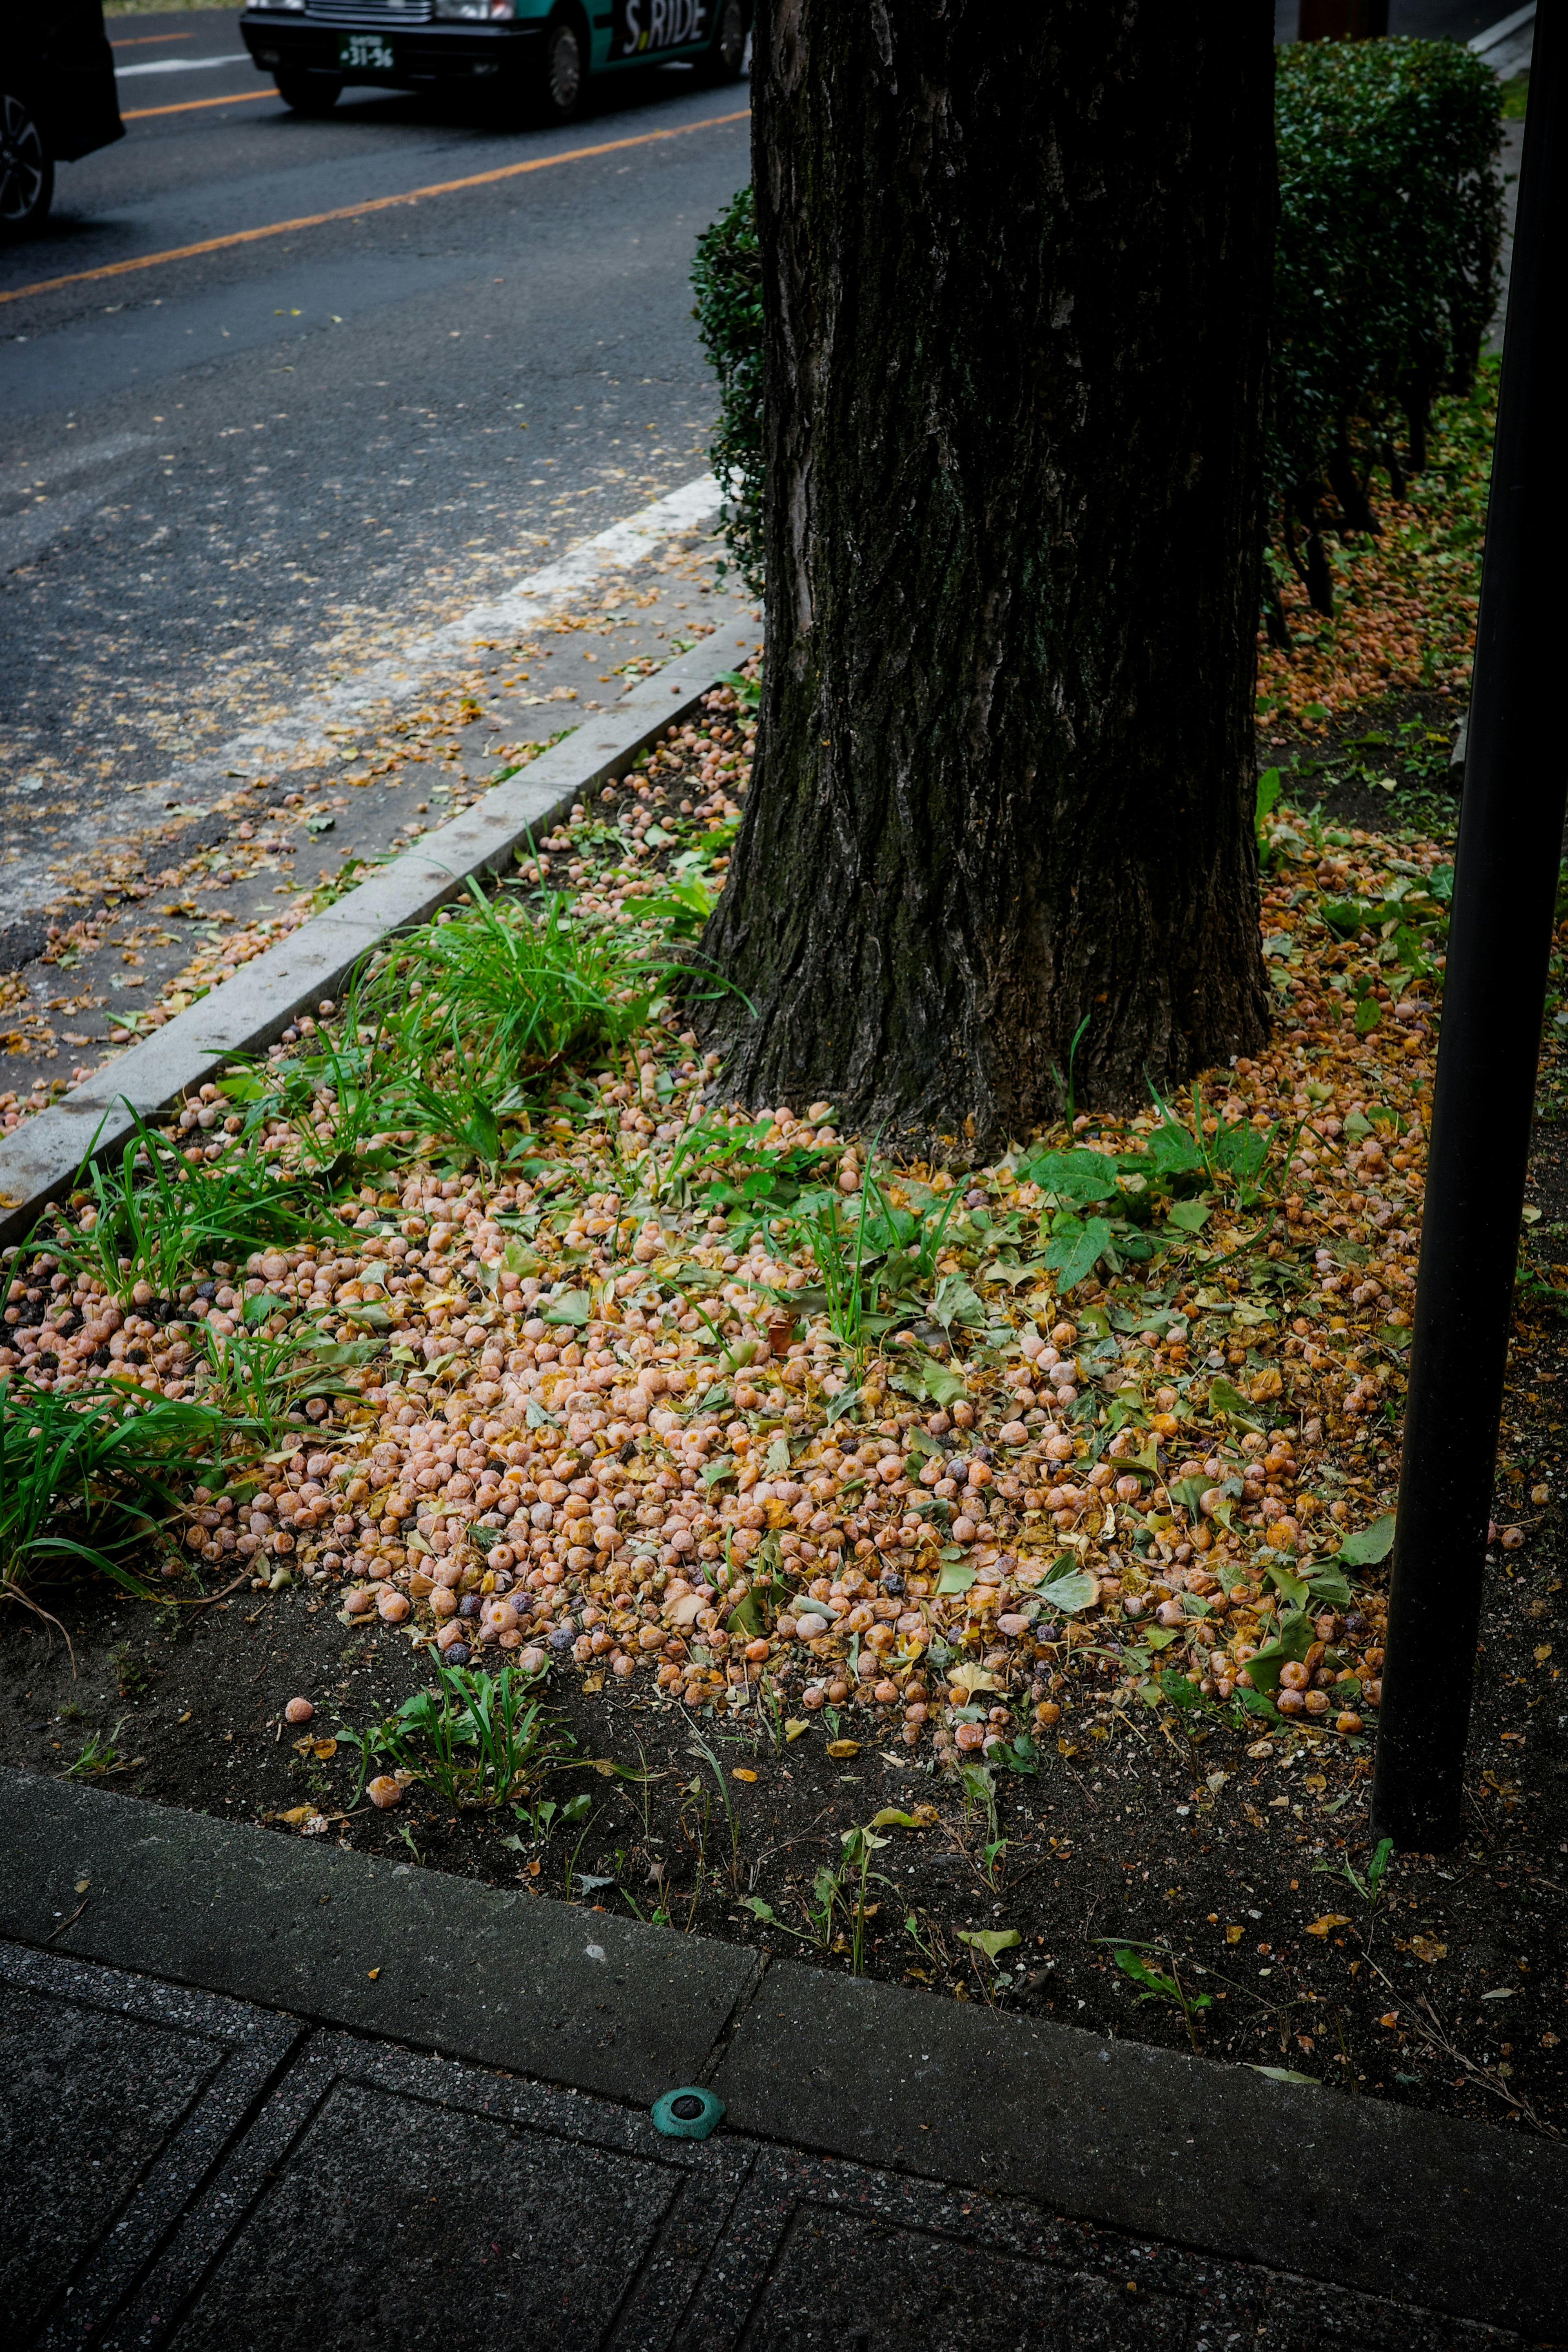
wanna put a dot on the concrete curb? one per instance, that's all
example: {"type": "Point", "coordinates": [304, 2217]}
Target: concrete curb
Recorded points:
{"type": "Point", "coordinates": [39, 1161]}
{"type": "Point", "coordinates": [1450, 2217]}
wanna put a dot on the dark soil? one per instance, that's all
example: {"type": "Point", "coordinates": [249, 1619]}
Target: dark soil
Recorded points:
{"type": "Point", "coordinates": [1341, 766]}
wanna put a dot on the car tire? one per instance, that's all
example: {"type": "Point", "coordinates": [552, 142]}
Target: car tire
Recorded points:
{"type": "Point", "coordinates": [561, 77]}
{"type": "Point", "coordinates": [27, 169]}
{"type": "Point", "coordinates": [309, 93]}
{"type": "Point", "coordinates": [724, 59]}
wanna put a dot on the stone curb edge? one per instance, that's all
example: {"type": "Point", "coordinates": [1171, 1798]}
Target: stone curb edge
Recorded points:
{"type": "Point", "coordinates": [39, 1161]}
{"type": "Point", "coordinates": [1447, 2215]}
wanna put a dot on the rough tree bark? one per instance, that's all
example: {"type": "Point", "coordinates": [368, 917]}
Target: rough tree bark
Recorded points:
{"type": "Point", "coordinates": [1016, 267]}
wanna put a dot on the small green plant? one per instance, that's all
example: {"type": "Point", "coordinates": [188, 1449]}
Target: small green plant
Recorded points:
{"type": "Point", "coordinates": [99, 1754]}
{"type": "Point", "coordinates": [1153, 1985]}
{"type": "Point", "coordinates": [1066, 1083]}
{"type": "Point", "coordinates": [89, 1478]}
{"type": "Point", "coordinates": [485, 1006]}
{"type": "Point", "coordinates": [699, 1747]}
{"type": "Point", "coordinates": [257, 1379]}
{"type": "Point", "coordinates": [683, 906]}
{"type": "Point", "coordinates": [156, 1216]}
{"type": "Point", "coordinates": [927, 1941]}
{"type": "Point", "coordinates": [859, 1845]}
{"type": "Point", "coordinates": [1263, 809]}
{"type": "Point", "coordinates": [979, 1788]}
{"type": "Point", "coordinates": [1370, 1887]}
{"type": "Point", "coordinates": [479, 1739]}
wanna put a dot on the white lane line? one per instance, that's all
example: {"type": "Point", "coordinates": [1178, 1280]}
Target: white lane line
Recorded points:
{"type": "Point", "coordinates": [182, 65]}
{"type": "Point", "coordinates": [530, 600]}
{"type": "Point", "coordinates": [1501, 30]}
{"type": "Point", "coordinates": [402, 678]}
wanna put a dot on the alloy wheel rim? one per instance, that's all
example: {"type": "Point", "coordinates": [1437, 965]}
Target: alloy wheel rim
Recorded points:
{"type": "Point", "coordinates": [21, 161]}
{"type": "Point", "coordinates": [565, 68]}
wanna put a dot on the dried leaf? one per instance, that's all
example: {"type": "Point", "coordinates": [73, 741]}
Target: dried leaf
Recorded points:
{"type": "Point", "coordinates": [1327, 1924]}
{"type": "Point", "coordinates": [990, 1940]}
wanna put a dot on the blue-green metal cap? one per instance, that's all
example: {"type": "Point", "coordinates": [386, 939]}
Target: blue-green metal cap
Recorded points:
{"type": "Point", "coordinates": [687, 2114]}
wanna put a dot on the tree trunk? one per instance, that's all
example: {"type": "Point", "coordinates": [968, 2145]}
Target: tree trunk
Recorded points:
{"type": "Point", "coordinates": [1016, 270]}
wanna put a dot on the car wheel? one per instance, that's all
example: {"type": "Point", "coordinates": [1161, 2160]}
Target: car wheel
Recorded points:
{"type": "Point", "coordinates": [725, 56]}
{"type": "Point", "coordinates": [309, 93]}
{"type": "Point", "coordinates": [26, 173]}
{"type": "Point", "coordinates": [563, 71]}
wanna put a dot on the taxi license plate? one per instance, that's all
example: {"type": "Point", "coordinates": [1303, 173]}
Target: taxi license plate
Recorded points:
{"type": "Point", "coordinates": [365, 53]}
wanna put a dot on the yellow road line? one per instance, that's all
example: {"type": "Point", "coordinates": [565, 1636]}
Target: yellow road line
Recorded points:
{"type": "Point", "coordinates": [189, 105]}
{"type": "Point", "coordinates": [369, 205]}
{"type": "Point", "coordinates": [148, 40]}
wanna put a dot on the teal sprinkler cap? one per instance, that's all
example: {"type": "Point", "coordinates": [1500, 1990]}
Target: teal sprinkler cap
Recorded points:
{"type": "Point", "coordinates": [687, 2114]}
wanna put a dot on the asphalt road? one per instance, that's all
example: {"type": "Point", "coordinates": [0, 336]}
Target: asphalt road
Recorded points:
{"type": "Point", "coordinates": [226, 475]}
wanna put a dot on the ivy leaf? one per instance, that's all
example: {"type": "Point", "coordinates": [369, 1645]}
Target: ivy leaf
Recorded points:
{"type": "Point", "coordinates": [1223, 1397]}
{"type": "Point", "coordinates": [1328, 1585]}
{"type": "Point", "coordinates": [1294, 1588]}
{"type": "Point", "coordinates": [954, 1302]}
{"type": "Point", "coordinates": [1074, 1175]}
{"type": "Point", "coordinates": [573, 1307]}
{"type": "Point", "coordinates": [1188, 1216]}
{"type": "Point", "coordinates": [1173, 1151]}
{"type": "Point", "coordinates": [1296, 1638]}
{"type": "Point", "coordinates": [1074, 1253]}
{"type": "Point", "coordinates": [1069, 1594]}
{"type": "Point", "coordinates": [1369, 1544]}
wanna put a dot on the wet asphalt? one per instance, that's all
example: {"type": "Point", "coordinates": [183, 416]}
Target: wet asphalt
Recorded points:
{"type": "Point", "coordinates": [226, 477]}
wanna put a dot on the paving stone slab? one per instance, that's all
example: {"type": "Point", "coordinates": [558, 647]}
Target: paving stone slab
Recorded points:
{"type": "Point", "coordinates": [824, 2256]}
{"type": "Point", "coordinates": [1396, 2203]}
{"type": "Point", "coordinates": [381, 2199]}
{"type": "Point", "coordinates": [514, 1980]}
{"type": "Point", "coordinates": [387, 2199]}
{"type": "Point", "coordinates": [117, 2097]}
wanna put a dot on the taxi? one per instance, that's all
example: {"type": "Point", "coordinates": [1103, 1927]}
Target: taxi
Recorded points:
{"type": "Point", "coordinates": [538, 54]}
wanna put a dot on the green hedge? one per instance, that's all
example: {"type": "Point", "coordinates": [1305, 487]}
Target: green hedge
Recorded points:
{"type": "Point", "coordinates": [728, 279]}
{"type": "Point", "coordinates": [1385, 272]}
{"type": "Point", "coordinates": [1385, 279]}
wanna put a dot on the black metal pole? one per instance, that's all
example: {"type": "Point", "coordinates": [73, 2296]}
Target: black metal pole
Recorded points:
{"type": "Point", "coordinates": [1511, 832]}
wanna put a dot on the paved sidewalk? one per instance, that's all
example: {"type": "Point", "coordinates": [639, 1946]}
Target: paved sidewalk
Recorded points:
{"type": "Point", "coordinates": [251, 2084]}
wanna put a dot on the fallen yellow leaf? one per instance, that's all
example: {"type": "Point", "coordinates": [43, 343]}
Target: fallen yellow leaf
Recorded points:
{"type": "Point", "coordinates": [373, 1974]}
{"type": "Point", "coordinates": [795, 1727]}
{"type": "Point", "coordinates": [1327, 1924]}
{"type": "Point", "coordinates": [1543, 1651]}
{"type": "Point", "coordinates": [839, 1748]}
{"type": "Point", "coordinates": [1427, 1948]}
{"type": "Point", "coordinates": [744, 1772]}
{"type": "Point", "coordinates": [1233, 1934]}
{"type": "Point", "coordinates": [296, 1815]}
